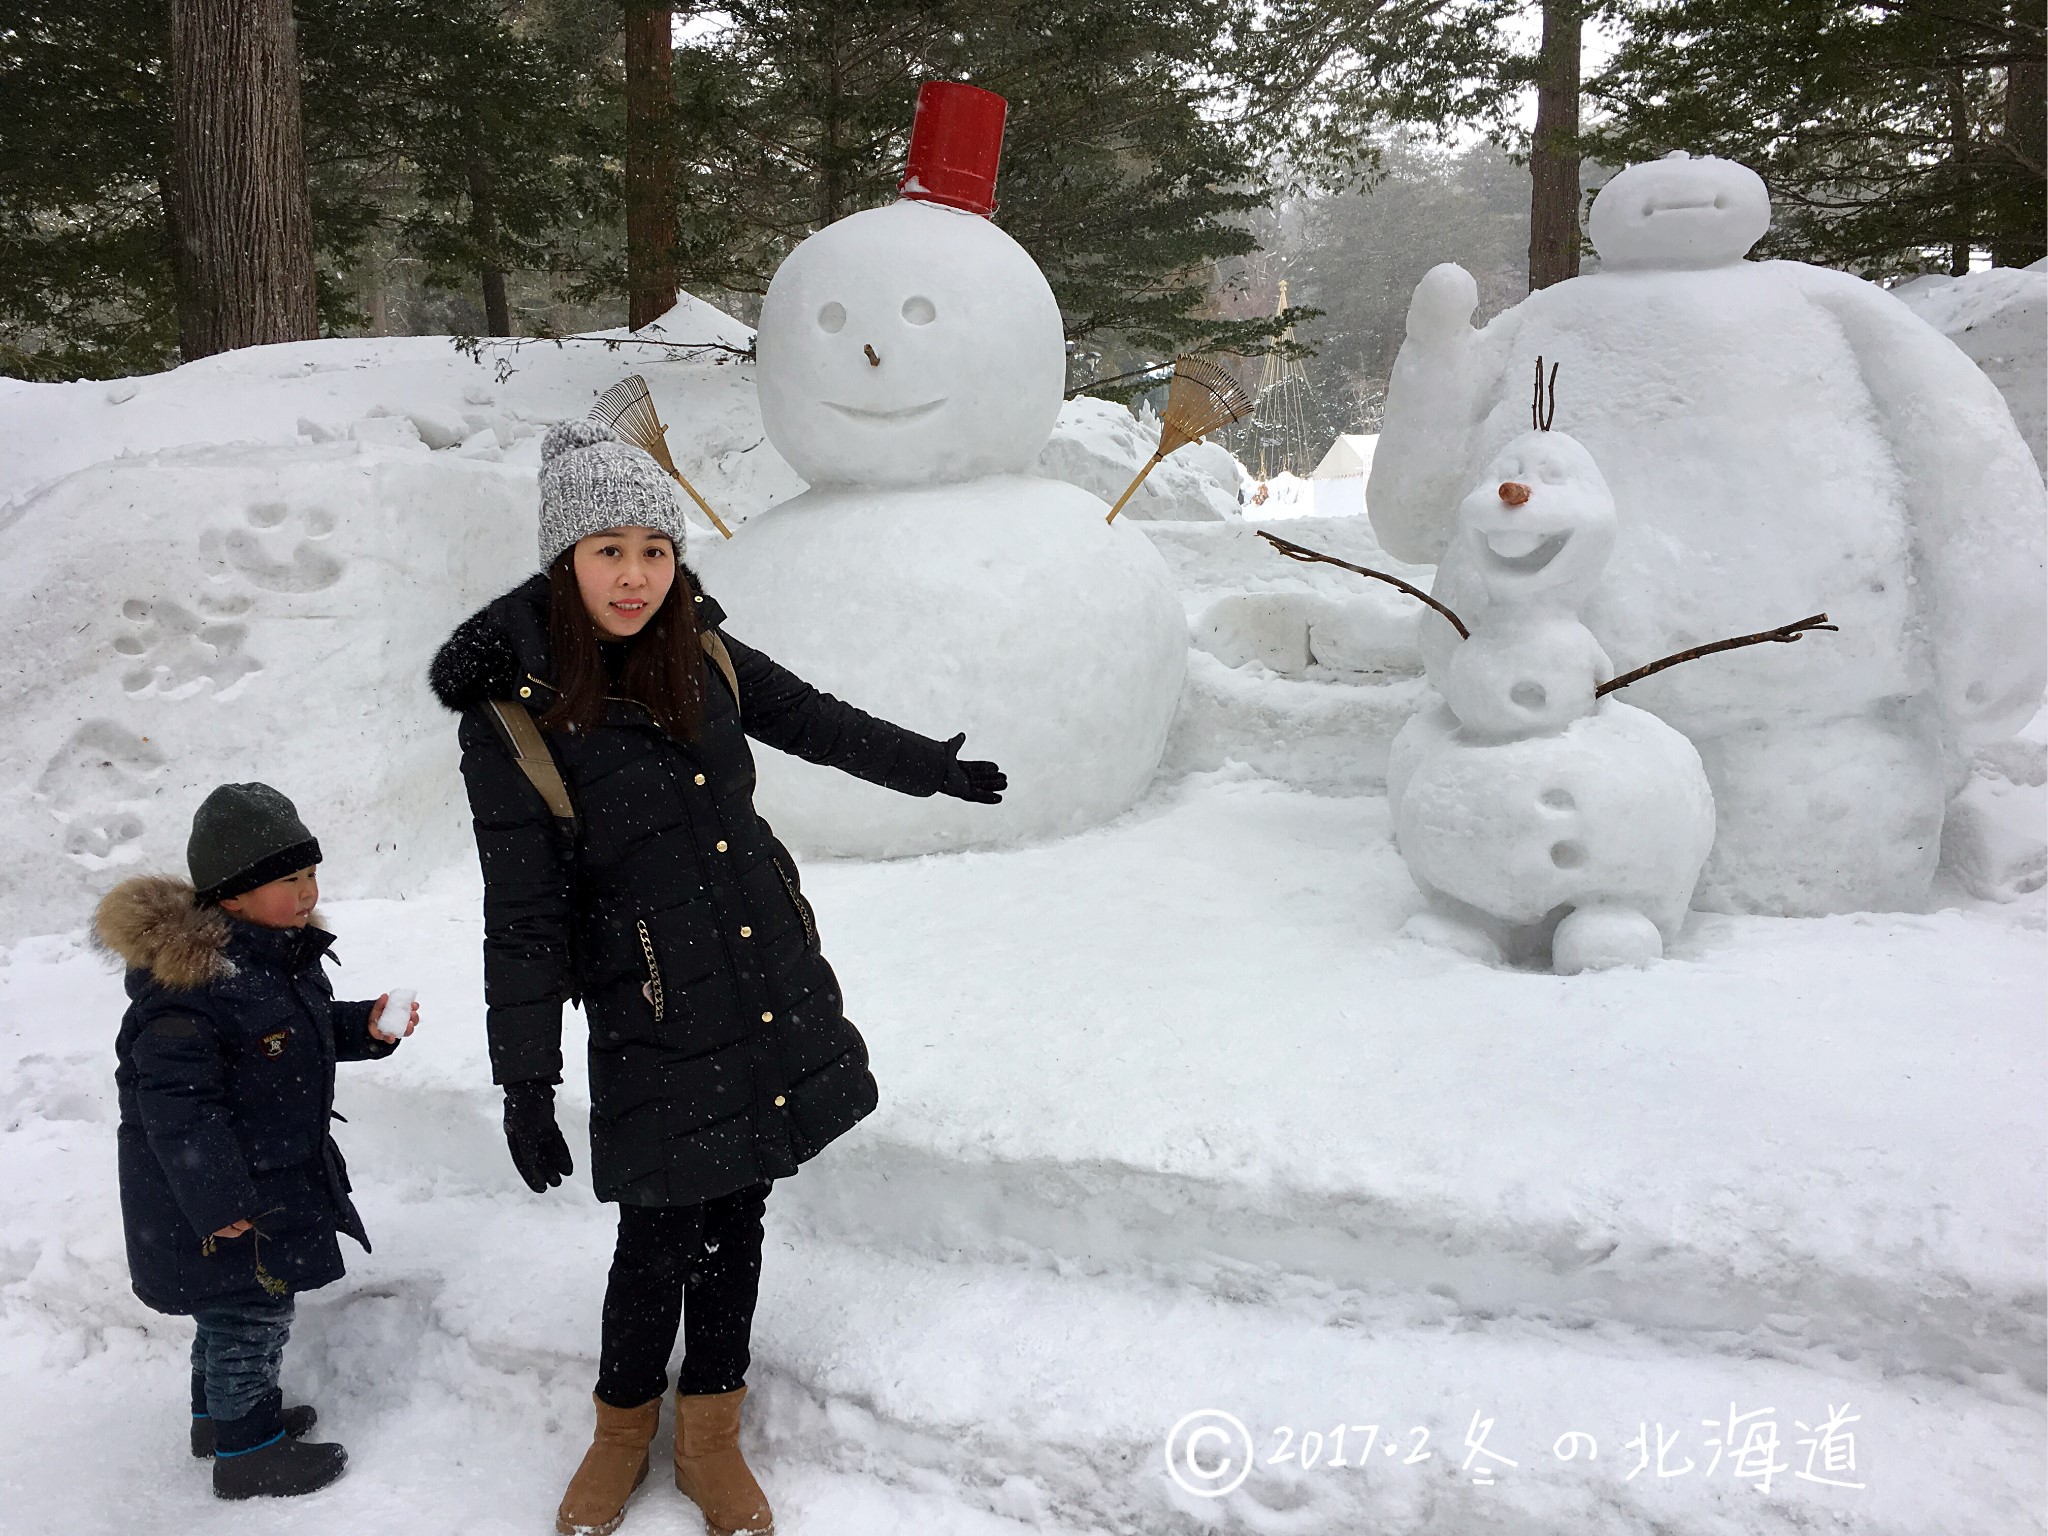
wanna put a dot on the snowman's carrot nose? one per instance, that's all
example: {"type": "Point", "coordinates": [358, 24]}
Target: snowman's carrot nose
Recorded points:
{"type": "Point", "coordinates": [874, 358]}
{"type": "Point", "coordinates": [1513, 492]}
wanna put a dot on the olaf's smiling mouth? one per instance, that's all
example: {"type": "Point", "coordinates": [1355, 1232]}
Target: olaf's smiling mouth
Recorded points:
{"type": "Point", "coordinates": [1521, 551]}
{"type": "Point", "coordinates": [1691, 205]}
{"type": "Point", "coordinates": [902, 413]}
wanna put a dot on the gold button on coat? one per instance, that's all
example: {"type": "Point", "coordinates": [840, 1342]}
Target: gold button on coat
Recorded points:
{"type": "Point", "coordinates": [746, 932]}
{"type": "Point", "coordinates": [526, 693]}
{"type": "Point", "coordinates": [767, 1018]}
{"type": "Point", "coordinates": [721, 845]}
{"type": "Point", "coordinates": [700, 778]}
{"type": "Point", "coordinates": [779, 1101]}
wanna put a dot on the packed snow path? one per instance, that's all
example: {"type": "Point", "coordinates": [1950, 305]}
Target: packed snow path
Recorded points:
{"type": "Point", "coordinates": [1171, 1121]}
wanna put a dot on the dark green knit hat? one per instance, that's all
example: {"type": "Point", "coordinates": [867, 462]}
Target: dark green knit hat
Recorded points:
{"type": "Point", "coordinates": [243, 836]}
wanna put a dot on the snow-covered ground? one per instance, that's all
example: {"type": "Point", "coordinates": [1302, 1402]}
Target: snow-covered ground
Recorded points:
{"type": "Point", "coordinates": [1172, 1118]}
{"type": "Point", "coordinates": [1171, 1121]}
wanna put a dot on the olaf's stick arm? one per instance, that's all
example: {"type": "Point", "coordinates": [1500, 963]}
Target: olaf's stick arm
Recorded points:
{"type": "Point", "coordinates": [1785, 634]}
{"type": "Point", "coordinates": [1307, 556]}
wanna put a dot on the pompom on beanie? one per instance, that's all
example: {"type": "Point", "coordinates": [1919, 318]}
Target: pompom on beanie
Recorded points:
{"type": "Point", "coordinates": [591, 481]}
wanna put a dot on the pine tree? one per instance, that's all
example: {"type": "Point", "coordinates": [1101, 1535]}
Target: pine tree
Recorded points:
{"type": "Point", "coordinates": [85, 168]}
{"type": "Point", "coordinates": [650, 164]}
{"type": "Point", "coordinates": [1117, 176]}
{"type": "Point", "coordinates": [1327, 78]}
{"type": "Point", "coordinates": [1892, 137]}
{"type": "Point", "coordinates": [493, 142]}
{"type": "Point", "coordinates": [240, 213]}
{"type": "Point", "coordinates": [1554, 237]}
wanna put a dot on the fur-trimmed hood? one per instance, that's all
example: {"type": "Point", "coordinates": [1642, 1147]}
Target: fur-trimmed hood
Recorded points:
{"type": "Point", "coordinates": [155, 923]}
{"type": "Point", "coordinates": [494, 649]}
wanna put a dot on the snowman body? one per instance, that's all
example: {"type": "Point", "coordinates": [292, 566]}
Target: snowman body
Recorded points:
{"type": "Point", "coordinates": [911, 367]}
{"type": "Point", "coordinates": [1537, 816]}
{"type": "Point", "coordinates": [1787, 441]}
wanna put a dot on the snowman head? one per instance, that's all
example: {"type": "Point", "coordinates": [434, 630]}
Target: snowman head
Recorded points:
{"type": "Point", "coordinates": [916, 344]}
{"type": "Point", "coordinates": [910, 345]}
{"type": "Point", "coordinates": [1679, 212]}
{"type": "Point", "coordinates": [1539, 528]}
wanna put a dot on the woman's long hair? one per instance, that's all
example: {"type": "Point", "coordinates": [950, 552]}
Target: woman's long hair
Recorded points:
{"type": "Point", "coordinates": [664, 667]}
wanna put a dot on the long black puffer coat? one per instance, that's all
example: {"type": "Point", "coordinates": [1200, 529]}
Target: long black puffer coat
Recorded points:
{"type": "Point", "coordinates": [720, 1055]}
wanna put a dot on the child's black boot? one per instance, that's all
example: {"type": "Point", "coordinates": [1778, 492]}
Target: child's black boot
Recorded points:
{"type": "Point", "coordinates": [298, 1422]}
{"type": "Point", "coordinates": [255, 1457]}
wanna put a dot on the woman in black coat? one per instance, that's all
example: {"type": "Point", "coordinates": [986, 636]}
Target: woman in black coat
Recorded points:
{"type": "Point", "coordinates": [720, 1055]}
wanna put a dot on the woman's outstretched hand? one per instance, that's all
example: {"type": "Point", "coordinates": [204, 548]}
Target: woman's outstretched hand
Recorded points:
{"type": "Point", "coordinates": [973, 779]}
{"type": "Point", "coordinates": [538, 1151]}
{"type": "Point", "coordinates": [982, 782]}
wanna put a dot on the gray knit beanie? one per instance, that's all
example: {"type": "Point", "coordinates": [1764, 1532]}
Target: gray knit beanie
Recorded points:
{"type": "Point", "coordinates": [591, 481]}
{"type": "Point", "coordinates": [243, 836]}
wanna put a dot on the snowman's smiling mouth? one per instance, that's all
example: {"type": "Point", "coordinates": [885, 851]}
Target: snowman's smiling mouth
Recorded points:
{"type": "Point", "coordinates": [1516, 550]}
{"type": "Point", "coordinates": [903, 413]}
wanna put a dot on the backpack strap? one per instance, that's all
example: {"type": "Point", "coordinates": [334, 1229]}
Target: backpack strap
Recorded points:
{"type": "Point", "coordinates": [529, 750]}
{"type": "Point", "coordinates": [714, 647]}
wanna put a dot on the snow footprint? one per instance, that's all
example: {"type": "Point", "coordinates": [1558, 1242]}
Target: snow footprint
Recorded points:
{"type": "Point", "coordinates": [178, 652]}
{"type": "Point", "coordinates": [277, 549]}
{"type": "Point", "coordinates": [91, 785]}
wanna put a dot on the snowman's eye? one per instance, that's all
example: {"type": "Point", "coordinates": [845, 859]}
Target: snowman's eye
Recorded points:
{"type": "Point", "coordinates": [1550, 474]}
{"type": "Point", "coordinates": [918, 310]}
{"type": "Point", "coordinates": [832, 318]}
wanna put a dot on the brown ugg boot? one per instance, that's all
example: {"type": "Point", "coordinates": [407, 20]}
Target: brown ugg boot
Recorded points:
{"type": "Point", "coordinates": [711, 1470]}
{"type": "Point", "coordinates": [612, 1468]}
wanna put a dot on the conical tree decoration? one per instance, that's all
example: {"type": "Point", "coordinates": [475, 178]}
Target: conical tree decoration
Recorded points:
{"type": "Point", "coordinates": [628, 409]}
{"type": "Point", "coordinates": [1202, 397]}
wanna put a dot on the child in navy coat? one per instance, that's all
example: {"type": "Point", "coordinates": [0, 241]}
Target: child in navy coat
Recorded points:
{"type": "Point", "coordinates": [232, 1190]}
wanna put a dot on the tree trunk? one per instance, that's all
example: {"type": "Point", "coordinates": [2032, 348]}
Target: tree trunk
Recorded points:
{"type": "Point", "coordinates": [483, 231]}
{"type": "Point", "coordinates": [2026, 140]}
{"type": "Point", "coordinates": [650, 165]}
{"type": "Point", "coordinates": [244, 216]}
{"type": "Point", "coordinates": [832, 178]}
{"type": "Point", "coordinates": [1962, 218]}
{"type": "Point", "coordinates": [1554, 152]}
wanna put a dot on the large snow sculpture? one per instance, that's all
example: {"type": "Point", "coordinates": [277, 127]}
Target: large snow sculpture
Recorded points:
{"type": "Point", "coordinates": [1531, 811]}
{"type": "Point", "coordinates": [911, 366]}
{"type": "Point", "coordinates": [1783, 439]}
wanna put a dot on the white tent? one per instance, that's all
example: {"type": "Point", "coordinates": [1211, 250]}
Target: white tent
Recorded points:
{"type": "Point", "coordinates": [1340, 477]}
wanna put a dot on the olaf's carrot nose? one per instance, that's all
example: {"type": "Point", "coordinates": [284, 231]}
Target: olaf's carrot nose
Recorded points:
{"type": "Point", "coordinates": [1513, 492]}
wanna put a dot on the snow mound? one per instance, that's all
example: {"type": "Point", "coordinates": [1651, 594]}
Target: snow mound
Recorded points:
{"type": "Point", "coordinates": [188, 617]}
{"type": "Point", "coordinates": [2000, 319]}
{"type": "Point", "coordinates": [1099, 446]}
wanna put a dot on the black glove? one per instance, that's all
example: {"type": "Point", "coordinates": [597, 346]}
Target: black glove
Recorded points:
{"type": "Point", "coordinates": [972, 780]}
{"type": "Point", "coordinates": [538, 1151]}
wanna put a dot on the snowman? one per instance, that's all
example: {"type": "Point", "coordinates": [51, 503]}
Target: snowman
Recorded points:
{"type": "Point", "coordinates": [1530, 810]}
{"type": "Point", "coordinates": [911, 366]}
{"type": "Point", "coordinates": [1786, 439]}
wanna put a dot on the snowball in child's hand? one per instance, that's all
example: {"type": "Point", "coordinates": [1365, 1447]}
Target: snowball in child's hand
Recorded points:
{"type": "Point", "coordinates": [397, 1012]}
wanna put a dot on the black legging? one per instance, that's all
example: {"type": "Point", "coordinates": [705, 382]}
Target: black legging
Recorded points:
{"type": "Point", "coordinates": [714, 1248]}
